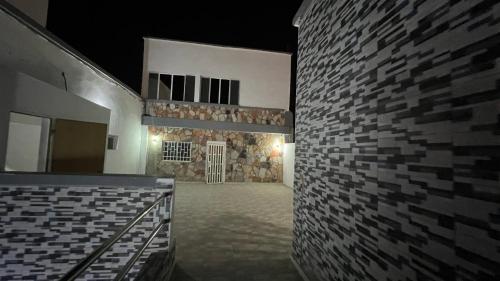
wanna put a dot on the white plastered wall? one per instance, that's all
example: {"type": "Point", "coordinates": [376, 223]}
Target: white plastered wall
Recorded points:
{"type": "Point", "coordinates": [22, 93]}
{"type": "Point", "coordinates": [23, 50]}
{"type": "Point", "coordinates": [264, 76]}
{"type": "Point", "coordinates": [23, 145]}
{"type": "Point", "coordinates": [288, 164]}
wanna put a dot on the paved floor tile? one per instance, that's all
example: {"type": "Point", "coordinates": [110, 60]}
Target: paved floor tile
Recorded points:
{"type": "Point", "coordinates": [233, 232]}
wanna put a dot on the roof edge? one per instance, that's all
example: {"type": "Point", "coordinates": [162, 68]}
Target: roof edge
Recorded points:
{"type": "Point", "coordinates": [218, 45]}
{"type": "Point", "coordinates": [303, 9]}
{"type": "Point", "coordinates": [43, 32]}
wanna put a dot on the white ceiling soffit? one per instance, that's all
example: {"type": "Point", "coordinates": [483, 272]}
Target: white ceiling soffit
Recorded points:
{"type": "Point", "coordinates": [299, 16]}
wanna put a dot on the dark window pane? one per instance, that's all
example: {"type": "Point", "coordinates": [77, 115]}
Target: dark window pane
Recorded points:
{"type": "Point", "coordinates": [165, 84]}
{"type": "Point", "coordinates": [214, 91]}
{"type": "Point", "coordinates": [204, 90]}
{"type": "Point", "coordinates": [178, 88]}
{"type": "Point", "coordinates": [189, 94]}
{"type": "Point", "coordinates": [224, 92]}
{"type": "Point", "coordinates": [235, 92]}
{"type": "Point", "coordinates": [153, 86]}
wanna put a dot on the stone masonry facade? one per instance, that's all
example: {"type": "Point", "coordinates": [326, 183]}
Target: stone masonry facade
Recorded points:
{"type": "Point", "coordinates": [223, 113]}
{"type": "Point", "coordinates": [250, 157]}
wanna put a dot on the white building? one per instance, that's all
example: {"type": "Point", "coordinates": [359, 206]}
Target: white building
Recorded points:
{"type": "Point", "coordinates": [223, 103]}
{"type": "Point", "coordinates": [46, 79]}
{"type": "Point", "coordinates": [261, 77]}
{"type": "Point", "coordinates": [203, 109]}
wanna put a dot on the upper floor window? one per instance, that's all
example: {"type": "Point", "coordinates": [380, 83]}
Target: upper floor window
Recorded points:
{"type": "Point", "coordinates": [171, 87]}
{"type": "Point", "coordinates": [221, 91]}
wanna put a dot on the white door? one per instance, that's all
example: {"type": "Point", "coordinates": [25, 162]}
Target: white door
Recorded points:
{"type": "Point", "coordinates": [27, 143]}
{"type": "Point", "coordinates": [216, 162]}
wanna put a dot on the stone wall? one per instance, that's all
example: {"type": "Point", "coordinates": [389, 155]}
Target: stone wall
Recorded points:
{"type": "Point", "coordinates": [216, 113]}
{"type": "Point", "coordinates": [398, 140]}
{"type": "Point", "coordinates": [250, 157]}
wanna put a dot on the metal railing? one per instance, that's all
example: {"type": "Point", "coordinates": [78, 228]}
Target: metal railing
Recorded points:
{"type": "Point", "coordinates": [84, 264]}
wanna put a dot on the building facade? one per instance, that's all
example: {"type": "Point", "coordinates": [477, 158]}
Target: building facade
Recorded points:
{"type": "Point", "coordinates": [81, 119]}
{"type": "Point", "coordinates": [197, 94]}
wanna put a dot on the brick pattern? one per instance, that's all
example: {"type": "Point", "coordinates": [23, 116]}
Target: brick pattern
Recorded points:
{"type": "Point", "coordinates": [46, 230]}
{"type": "Point", "coordinates": [216, 113]}
{"type": "Point", "coordinates": [250, 157]}
{"type": "Point", "coordinates": [398, 140]}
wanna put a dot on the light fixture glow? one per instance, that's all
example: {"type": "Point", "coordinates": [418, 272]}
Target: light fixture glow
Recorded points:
{"type": "Point", "coordinates": [277, 144]}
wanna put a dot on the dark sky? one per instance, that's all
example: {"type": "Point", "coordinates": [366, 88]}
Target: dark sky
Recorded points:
{"type": "Point", "coordinates": [110, 32]}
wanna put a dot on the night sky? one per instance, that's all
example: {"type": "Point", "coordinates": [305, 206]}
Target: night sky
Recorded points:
{"type": "Point", "coordinates": [110, 32]}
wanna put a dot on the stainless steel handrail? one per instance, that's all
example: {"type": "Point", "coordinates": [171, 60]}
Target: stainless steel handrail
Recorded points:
{"type": "Point", "coordinates": [90, 259]}
{"type": "Point", "coordinates": [171, 241]}
{"type": "Point", "coordinates": [121, 275]}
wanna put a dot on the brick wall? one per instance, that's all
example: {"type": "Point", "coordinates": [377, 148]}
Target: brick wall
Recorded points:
{"type": "Point", "coordinates": [398, 140]}
{"type": "Point", "coordinates": [46, 230]}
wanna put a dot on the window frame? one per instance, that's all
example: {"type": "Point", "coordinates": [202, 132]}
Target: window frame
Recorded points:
{"type": "Point", "coordinates": [158, 79]}
{"type": "Point", "coordinates": [220, 88]}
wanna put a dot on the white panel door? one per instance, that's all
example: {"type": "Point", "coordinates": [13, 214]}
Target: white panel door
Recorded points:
{"type": "Point", "coordinates": [216, 162]}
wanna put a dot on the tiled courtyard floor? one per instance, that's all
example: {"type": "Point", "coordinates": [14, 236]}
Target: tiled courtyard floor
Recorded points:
{"type": "Point", "coordinates": [233, 232]}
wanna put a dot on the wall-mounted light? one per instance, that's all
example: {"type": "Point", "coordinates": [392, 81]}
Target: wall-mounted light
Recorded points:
{"type": "Point", "coordinates": [276, 148]}
{"type": "Point", "coordinates": [277, 144]}
{"type": "Point", "coordinates": [156, 139]}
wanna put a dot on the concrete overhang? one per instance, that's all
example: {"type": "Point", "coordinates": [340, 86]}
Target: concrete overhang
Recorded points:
{"type": "Point", "coordinates": [227, 47]}
{"type": "Point", "coordinates": [215, 125]}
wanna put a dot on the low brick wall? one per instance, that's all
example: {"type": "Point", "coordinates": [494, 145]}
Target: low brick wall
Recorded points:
{"type": "Point", "coordinates": [250, 157]}
{"type": "Point", "coordinates": [216, 113]}
{"type": "Point", "coordinates": [46, 229]}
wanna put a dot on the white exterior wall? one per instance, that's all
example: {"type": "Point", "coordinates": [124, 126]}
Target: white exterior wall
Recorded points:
{"type": "Point", "coordinates": [264, 76]}
{"type": "Point", "coordinates": [23, 143]}
{"type": "Point", "coordinates": [288, 164]}
{"type": "Point", "coordinates": [125, 122]}
{"type": "Point", "coordinates": [23, 50]}
{"type": "Point", "coordinates": [25, 94]}
{"type": "Point", "coordinates": [35, 9]}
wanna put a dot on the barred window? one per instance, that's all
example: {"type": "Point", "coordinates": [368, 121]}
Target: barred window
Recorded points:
{"type": "Point", "coordinates": [177, 151]}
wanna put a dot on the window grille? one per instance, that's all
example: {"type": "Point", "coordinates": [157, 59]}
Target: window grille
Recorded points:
{"type": "Point", "coordinates": [177, 151]}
